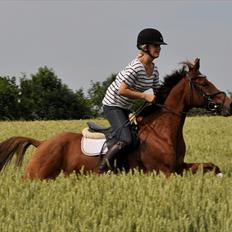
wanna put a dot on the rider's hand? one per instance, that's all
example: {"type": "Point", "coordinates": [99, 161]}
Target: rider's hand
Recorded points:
{"type": "Point", "coordinates": [149, 98]}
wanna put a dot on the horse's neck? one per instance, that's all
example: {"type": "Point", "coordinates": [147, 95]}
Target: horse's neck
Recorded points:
{"type": "Point", "coordinates": [167, 122]}
{"type": "Point", "coordinates": [169, 119]}
{"type": "Point", "coordinates": [176, 99]}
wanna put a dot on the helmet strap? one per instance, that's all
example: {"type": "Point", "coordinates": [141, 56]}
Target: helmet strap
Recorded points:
{"type": "Point", "coordinates": [148, 52]}
{"type": "Point", "coordinates": [153, 57]}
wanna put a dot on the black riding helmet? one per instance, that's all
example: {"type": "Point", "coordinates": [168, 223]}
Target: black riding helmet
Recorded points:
{"type": "Point", "coordinates": [149, 36]}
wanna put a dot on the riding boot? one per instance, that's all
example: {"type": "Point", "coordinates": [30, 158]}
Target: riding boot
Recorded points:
{"type": "Point", "coordinates": [109, 157]}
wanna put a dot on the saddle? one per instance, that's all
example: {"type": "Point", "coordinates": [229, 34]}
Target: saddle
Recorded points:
{"type": "Point", "coordinates": [96, 139]}
{"type": "Point", "coordinates": [95, 128]}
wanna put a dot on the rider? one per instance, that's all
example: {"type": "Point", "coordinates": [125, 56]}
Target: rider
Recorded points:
{"type": "Point", "coordinates": [138, 76]}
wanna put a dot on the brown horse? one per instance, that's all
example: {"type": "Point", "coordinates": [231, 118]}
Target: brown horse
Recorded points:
{"type": "Point", "coordinates": [160, 132]}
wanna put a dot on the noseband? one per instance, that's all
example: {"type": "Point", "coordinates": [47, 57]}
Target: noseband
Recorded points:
{"type": "Point", "coordinates": [209, 104]}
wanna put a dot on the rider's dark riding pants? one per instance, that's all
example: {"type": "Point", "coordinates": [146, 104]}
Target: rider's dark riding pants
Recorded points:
{"type": "Point", "coordinates": [117, 117]}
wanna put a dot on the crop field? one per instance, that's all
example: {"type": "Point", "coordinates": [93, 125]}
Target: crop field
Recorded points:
{"type": "Point", "coordinates": [125, 202]}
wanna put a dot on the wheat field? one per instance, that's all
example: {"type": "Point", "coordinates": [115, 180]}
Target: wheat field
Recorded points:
{"type": "Point", "coordinates": [124, 202]}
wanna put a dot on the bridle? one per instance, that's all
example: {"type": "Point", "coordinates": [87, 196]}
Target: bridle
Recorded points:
{"type": "Point", "coordinates": [209, 104]}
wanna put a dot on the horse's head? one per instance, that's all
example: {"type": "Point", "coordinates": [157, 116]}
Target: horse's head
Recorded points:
{"type": "Point", "coordinates": [204, 94]}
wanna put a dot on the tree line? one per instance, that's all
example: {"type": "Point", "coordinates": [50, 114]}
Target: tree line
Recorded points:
{"type": "Point", "coordinates": [43, 96]}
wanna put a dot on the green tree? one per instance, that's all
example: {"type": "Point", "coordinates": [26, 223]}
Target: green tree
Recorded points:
{"type": "Point", "coordinates": [44, 96]}
{"type": "Point", "coordinates": [97, 92]}
{"type": "Point", "coordinates": [81, 106]}
{"type": "Point", "coordinates": [9, 99]}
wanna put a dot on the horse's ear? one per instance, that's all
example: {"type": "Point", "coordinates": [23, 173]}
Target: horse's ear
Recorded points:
{"type": "Point", "coordinates": [197, 63]}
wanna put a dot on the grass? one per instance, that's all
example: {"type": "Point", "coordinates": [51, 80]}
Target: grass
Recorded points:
{"type": "Point", "coordinates": [125, 202]}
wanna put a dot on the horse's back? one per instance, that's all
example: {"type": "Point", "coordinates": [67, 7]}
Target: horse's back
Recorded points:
{"type": "Point", "coordinates": [57, 153]}
{"type": "Point", "coordinates": [65, 137]}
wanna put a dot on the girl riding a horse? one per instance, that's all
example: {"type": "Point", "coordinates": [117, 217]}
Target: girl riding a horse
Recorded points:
{"type": "Point", "coordinates": [160, 131]}
{"type": "Point", "coordinates": [138, 76]}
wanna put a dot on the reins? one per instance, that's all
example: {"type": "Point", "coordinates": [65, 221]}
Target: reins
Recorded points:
{"type": "Point", "coordinates": [181, 113]}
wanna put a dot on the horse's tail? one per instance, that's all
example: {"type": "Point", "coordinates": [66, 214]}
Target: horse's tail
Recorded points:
{"type": "Point", "coordinates": [16, 145]}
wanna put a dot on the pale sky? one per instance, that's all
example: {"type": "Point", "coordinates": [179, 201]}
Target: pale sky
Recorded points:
{"type": "Point", "coordinates": [88, 40]}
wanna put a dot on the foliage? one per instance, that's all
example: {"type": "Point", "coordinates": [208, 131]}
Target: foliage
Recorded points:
{"type": "Point", "coordinates": [81, 107]}
{"type": "Point", "coordinates": [199, 111]}
{"type": "Point", "coordinates": [124, 202]}
{"type": "Point", "coordinates": [9, 92]}
{"type": "Point", "coordinates": [97, 92]}
{"type": "Point", "coordinates": [43, 96]}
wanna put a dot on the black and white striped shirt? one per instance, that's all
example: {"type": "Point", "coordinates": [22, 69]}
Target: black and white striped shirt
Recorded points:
{"type": "Point", "coordinates": [134, 75]}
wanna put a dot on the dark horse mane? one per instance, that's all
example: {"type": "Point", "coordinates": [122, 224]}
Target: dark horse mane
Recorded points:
{"type": "Point", "coordinates": [169, 81]}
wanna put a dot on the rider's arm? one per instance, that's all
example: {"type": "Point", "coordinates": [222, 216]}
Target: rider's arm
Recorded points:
{"type": "Point", "coordinates": [125, 91]}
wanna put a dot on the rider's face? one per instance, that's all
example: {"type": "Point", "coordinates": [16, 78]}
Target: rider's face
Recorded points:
{"type": "Point", "coordinates": [154, 50]}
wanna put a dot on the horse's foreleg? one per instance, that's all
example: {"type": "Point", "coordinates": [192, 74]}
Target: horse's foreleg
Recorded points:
{"type": "Point", "coordinates": [207, 167]}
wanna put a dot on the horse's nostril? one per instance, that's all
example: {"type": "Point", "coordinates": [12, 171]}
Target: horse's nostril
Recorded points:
{"type": "Point", "coordinates": [231, 108]}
